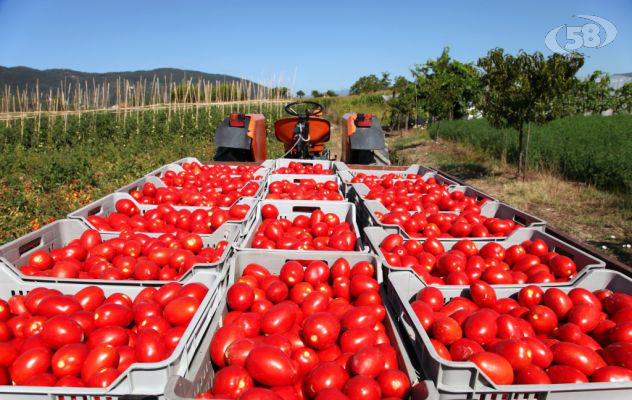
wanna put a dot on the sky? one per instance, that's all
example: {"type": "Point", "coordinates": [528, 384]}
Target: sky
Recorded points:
{"type": "Point", "coordinates": [326, 45]}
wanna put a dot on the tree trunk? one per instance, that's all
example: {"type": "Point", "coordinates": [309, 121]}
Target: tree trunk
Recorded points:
{"type": "Point", "coordinates": [526, 153]}
{"type": "Point", "coordinates": [437, 134]}
{"type": "Point", "coordinates": [520, 148]}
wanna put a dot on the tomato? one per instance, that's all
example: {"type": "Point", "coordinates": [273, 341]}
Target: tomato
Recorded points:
{"type": "Point", "coordinates": [566, 374]}
{"type": "Point", "coordinates": [180, 311]}
{"type": "Point", "coordinates": [41, 260]}
{"type": "Point", "coordinates": [482, 294]}
{"type": "Point", "coordinates": [619, 354]}
{"type": "Point", "coordinates": [277, 291]}
{"type": "Point", "coordinates": [463, 349]}
{"type": "Point", "coordinates": [270, 366]}
{"type": "Point", "coordinates": [315, 302]}
{"type": "Point", "coordinates": [29, 364]}
{"type": "Point", "coordinates": [250, 322]}
{"type": "Point", "coordinates": [238, 351]}
{"type": "Point", "coordinates": [621, 332]}
{"type": "Point", "coordinates": [481, 326]}
{"type": "Point", "coordinates": [517, 352]}
{"type": "Point", "coordinates": [89, 239]}
{"type": "Point", "coordinates": [424, 313]}
{"type": "Point", "coordinates": [576, 356]}
{"type": "Point", "coordinates": [585, 316]}
{"type": "Point", "coordinates": [558, 301]}
{"type": "Point", "coordinates": [612, 374]}
{"type": "Point", "coordinates": [353, 340]}
{"type": "Point", "coordinates": [328, 375]}
{"type": "Point", "coordinates": [127, 357]}
{"type": "Point", "coordinates": [331, 394]}
{"type": "Point", "coordinates": [362, 387]}
{"type": "Point", "coordinates": [268, 211]}
{"type": "Point", "coordinates": [291, 273]}
{"type": "Point", "coordinates": [321, 330]}
{"type": "Point", "coordinates": [279, 318]}
{"type": "Point", "coordinates": [532, 375]}
{"type": "Point", "coordinates": [100, 357]}
{"type": "Point", "coordinates": [431, 296]}
{"type": "Point", "coordinates": [112, 335]}
{"type": "Point", "coordinates": [583, 296]}
{"type": "Point", "coordinates": [496, 367]}
{"type": "Point", "coordinates": [306, 359]}
{"type": "Point", "coordinates": [57, 305]}
{"type": "Point", "coordinates": [232, 381]}
{"type": "Point", "coordinates": [541, 355]}
{"type": "Point", "coordinates": [260, 394]}
{"type": "Point", "coordinates": [542, 319]}
{"type": "Point", "coordinates": [316, 272]}
{"type": "Point", "coordinates": [240, 297]}
{"type": "Point", "coordinates": [530, 296]}
{"type": "Point", "coordinates": [61, 330]}
{"type": "Point", "coordinates": [391, 241]}
{"type": "Point", "coordinates": [341, 268]}
{"type": "Point", "coordinates": [446, 330]}
{"type": "Point", "coordinates": [368, 361]}
{"type": "Point", "coordinates": [222, 339]}
{"type": "Point", "coordinates": [103, 378]}
{"type": "Point", "coordinates": [113, 314]}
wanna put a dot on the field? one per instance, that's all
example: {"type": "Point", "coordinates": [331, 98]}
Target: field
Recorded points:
{"type": "Point", "coordinates": [57, 163]}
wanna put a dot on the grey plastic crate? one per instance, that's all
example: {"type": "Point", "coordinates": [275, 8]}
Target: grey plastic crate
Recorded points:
{"type": "Point", "coordinates": [291, 209]}
{"type": "Point", "coordinates": [200, 376]}
{"type": "Point", "coordinates": [285, 162]}
{"type": "Point", "coordinates": [177, 168]}
{"type": "Point", "coordinates": [359, 191]}
{"type": "Point", "coordinates": [139, 378]}
{"type": "Point", "coordinates": [584, 262]}
{"type": "Point", "coordinates": [297, 178]}
{"type": "Point", "coordinates": [139, 184]}
{"type": "Point", "coordinates": [460, 380]}
{"type": "Point", "coordinates": [107, 205]}
{"type": "Point", "coordinates": [369, 208]}
{"type": "Point", "coordinates": [16, 253]}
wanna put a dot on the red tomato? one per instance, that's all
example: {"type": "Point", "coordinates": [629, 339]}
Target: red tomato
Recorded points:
{"type": "Point", "coordinates": [232, 381]}
{"type": "Point", "coordinates": [222, 339]}
{"type": "Point", "coordinates": [530, 296]}
{"type": "Point", "coordinates": [496, 367]}
{"type": "Point", "coordinates": [238, 351]}
{"type": "Point", "coordinates": [517, 352]}
{"type": "Point", "coordinates": [612, 374]}
{"type": "Point", "coordinates": [566, 374]}
{"type": "Point", "coordinates": [240, 297]}
{"type": "Point", "coordinates": [180, 311]}
{"type": "Point", "coordinates": [532, 375]}
{"type": "Point", "coordinates": [558, 301]}
{"type": "Point", "coordinates": [113, 314]}
{"type": "Point", "coordinates": [446, 330]}
{"type": "Point", "coordinates": [321, 330]}
{"type": "Point", "coordinates": [576, 356]}
{"type": "Point", "coordinates": [481, 326]}
{"type": "Point", "coordinates": [328, 375]}
{"type": "Point", "coordinates": [368, 361]}
{"type": "Point", "coordinates": [268, 211]}
{"type": "Point", "coordinates": [61, 330]}
{"type": "Point", "coordinates": [542, 319]}
{"type": "Point", "coordinates": [279, 319]}
{"type": "Point", "coordinates": [362, 387]}
{"type": "Point", "coordinates": [270, 366]}
{"type": "Point", "coordinates": [585, 316]}
{"type": "Point", "coordinates": [483, 295]}
{"type": "Point", "coordinates": [541, 355]}
{"type": "Point", "coordinates": [431, 296]}
{"type": "Point", "coordinates": [463, 349]}
{"type": "Point", "coordinates": [102, 356]}
{"type": "Point", "coordinates": [29, 364]}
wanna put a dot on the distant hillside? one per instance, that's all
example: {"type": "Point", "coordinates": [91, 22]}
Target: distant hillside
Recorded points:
{"type": "Point", "coordinates": [618, 80]}
{"type": "Point", "coordinates": [54, 78]}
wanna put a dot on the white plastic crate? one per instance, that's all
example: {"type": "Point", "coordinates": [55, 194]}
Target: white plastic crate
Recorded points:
{"type": "Point", "coordinates": [464, 380]}
{"type": "Point", "coordinates": [297, 178]}
{"type": "Point", "coordinates": [140, 378]}
{"type": "Point", "coordinates": [107, 205]}
{"type": "Point", "coordinates": [584, 262]}
{"type": "Point", "coordinates": [496, 209]}
{"type": "Point", "coordinates": [17, 252]}
{"type": "Point", "coordinates": [291, 209]}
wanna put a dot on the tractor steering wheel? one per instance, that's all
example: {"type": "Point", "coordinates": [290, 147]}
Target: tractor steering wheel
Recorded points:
{"type": "Point", "coordinates": [311, 108]}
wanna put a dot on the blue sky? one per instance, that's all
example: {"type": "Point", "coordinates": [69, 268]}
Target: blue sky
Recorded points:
{"type": "Point", "coordinates": [325, 46]}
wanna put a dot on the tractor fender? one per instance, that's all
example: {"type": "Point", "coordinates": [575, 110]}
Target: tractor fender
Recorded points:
{"type": "Point", "coordinates": [232, 137]}
{"type": "Point", "coordinates": [369, 138]}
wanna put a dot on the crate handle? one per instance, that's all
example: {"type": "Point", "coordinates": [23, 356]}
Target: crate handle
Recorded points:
{"type": "Point", "coordinates": [305, 209]}
{"type": "Point", "coordinates": [30, 245]}
{"type": "Point", "coordinates": [520, 219]}
{"type": "Point", "coordinates": [95, 210]}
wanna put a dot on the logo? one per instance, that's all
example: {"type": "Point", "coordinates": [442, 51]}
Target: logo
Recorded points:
{"type": "Point", "coordinates": [587, 36]}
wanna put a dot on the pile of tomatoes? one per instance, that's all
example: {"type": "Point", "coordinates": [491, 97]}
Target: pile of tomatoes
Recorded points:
{"type": "Point", "coordinates": [225, 194]}
{"type": "Point", "coordinates": [87, 339]}
{"type": "Point", "coordinates": [209, 175]}
{"type": "Point", "coordinates": [540, 337]}
{"type": "Point", "coordinates": [165, 218]}
{"type": "Point", "coordinates": [305, 189]}
{"type": "Point", "coordinates": [303, 169]}
{"type": "Point", "coordinates": [529, 262]}
{"type": "Point", "coordinates": [319, 231]}
{"type": "Point", "coordinates": [128, 256]}
{"type": "Point", "coordinates": [309, 333]}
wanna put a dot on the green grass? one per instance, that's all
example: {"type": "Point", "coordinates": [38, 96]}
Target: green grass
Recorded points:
{"type": "Point", "coordinates": [591, 149]}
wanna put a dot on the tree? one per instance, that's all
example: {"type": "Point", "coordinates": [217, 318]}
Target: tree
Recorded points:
{"type": "Point", "coordinates": [524, 89]}
{"type": "Point", "coordinates": [316, 93]}
{"type": "Point", "coordinates": [331, 93]}
{"type": "Point", "coordinates": [279, 92]}
{"type": "Point", "coordinates": [300, 94]}
{"type": "Point", "coordinates": [592, 95]}
{"type": "Point", "coordinates": [623, 99]}
{"type": "Point", "coordinates": [370, 84]}
{"type": "Point", "coordinates": [447, 86]}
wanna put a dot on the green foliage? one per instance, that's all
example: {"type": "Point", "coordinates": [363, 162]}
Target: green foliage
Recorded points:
{"type": "Point", "coordinates": [623, 99]}
{"type": "Point", "coordinates": [279, 92]}
{"type": "Point", "coordinates": [370, 84]}
{"type": "Point", "coordinates": [524, 89]}
{"type": "Point", "coordinates": [300, 94]}
{"type": "Point", "coordinates": [331, 93]}
{"type": "Point", "coordinates": [448, 87]}
{"type": "Point", "coordinates": [316, 93]}
{"type": "Point", "coordinates": [592, 95]}
{"type": "Point", "coordinates": [592, 149]}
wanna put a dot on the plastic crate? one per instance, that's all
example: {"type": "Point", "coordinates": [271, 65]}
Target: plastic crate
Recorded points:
{"type": "Point", "coordinates": [585, 262]}
{"type": "Point", "coordinates": [291, 209]}
{"type": "Point", "coordinates": [201, 374]}
{"type": "Point", "coordinates": [496, 209]}
{"type": "Point", "coordinates": [297, 178]}
{"type": "Point", "coordinates": [261, 173]}
{"type": "Point", "coordinates": [140, 378]}
{"type": "Point", "coordinates": [107, 205]}
{"type": "Point", "coordinates": [359, 191]}
{"type": "Point", "coordinates": [460, 380]}
{"type": "Point", "coordinates": [140, 183]}
{"type": "Point", "coordinates": [16, 253]}
{"type": "Point", "coordinates": [285, 162]}
{"type": "Point", "coordinates": [264, 164]}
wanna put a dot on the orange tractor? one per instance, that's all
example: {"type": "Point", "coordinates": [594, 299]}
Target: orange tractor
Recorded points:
{"type": "Point", "coordinates": [242, 137]}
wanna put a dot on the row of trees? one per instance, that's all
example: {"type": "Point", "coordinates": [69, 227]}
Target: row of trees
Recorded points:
{"type": "Point", "coordinates": [315, 93]}
{"type": "Point", "coordinates": [510, 91]}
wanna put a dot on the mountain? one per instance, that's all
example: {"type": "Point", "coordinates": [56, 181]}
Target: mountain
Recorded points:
{"type": "Point", "coordinates": [618, 80]}
{"type": "Point", "coordinates": [54, 78]}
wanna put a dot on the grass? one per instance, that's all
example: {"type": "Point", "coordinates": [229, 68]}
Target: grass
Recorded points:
{"type": "Point", "coordinates": [599, 217]}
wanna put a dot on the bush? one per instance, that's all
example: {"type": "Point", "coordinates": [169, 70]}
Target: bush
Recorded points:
{"type": "Point", "coordinates": [591, 149]}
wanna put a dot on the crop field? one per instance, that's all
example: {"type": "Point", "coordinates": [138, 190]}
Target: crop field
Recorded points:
{"type": "Point", "coordinates": [54, 164]}
{"type": "Point", "coordinates": [591, 149]}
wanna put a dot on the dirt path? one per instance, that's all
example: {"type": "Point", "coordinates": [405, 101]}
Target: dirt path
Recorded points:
{"type": "Point", "coordinates": [600, 218]}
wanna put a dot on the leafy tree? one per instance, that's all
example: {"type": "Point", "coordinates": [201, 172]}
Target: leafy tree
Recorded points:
{"type": "Point", "coordinates": [370, 84]}
{"type": "Point", "coordinates": [400, 84]}
{"type": "Point", "coordinates": [300, 94]}
{"type": "Point", "coordinates": [279, 92]}
{"type": "Point", "coordinates": [524, 89]}
{"type": "Point", "coordinates": [623, 99]}
{"type": "Point", "coordinates": [331, 93]}
{"type": "Point", "coordinates": [447, 86]}
{"type": "Point", "coordinates": [316, 93]}
{"type": "Point", "coordinates": [592, 95]}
